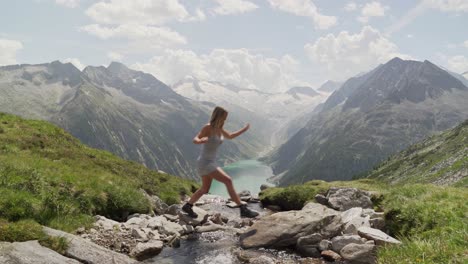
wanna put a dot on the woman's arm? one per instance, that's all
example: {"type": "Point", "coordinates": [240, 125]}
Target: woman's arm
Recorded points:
{"type": "Point", "coordinates": [202, 136]}
{"type": "Point", "coordinates": [235, 134]}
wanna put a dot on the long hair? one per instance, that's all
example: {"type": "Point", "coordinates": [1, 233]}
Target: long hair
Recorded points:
{"type": "Point", "coordinates": [216, 116]}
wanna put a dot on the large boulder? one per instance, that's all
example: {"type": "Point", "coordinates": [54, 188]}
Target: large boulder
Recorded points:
{"type": "Point", "coordinates": [343, 199]}
{"type": "Point", "coordinates": [359, 253]}
{"type": "Point", "coordinates": [144, 251]}
{"type": "Point", "coordinates": [285, 228]}
{"type": "Point", "coordinates": [88, 252]}
{"type": "Point", "coordinates": [31, 252]}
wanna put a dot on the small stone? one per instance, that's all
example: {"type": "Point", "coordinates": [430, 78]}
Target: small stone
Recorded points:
{"type": "Point", "coordinates": [330, 255]}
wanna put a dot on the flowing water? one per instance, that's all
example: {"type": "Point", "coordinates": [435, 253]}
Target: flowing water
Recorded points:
{"type": "Point", "coordinates": [216, 247]}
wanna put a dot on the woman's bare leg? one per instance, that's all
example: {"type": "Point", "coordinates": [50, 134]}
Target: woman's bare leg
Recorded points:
{"type": "Point", "coordinates": [206, 184]}
{"type": "Point", "coordinates": [222, 176]}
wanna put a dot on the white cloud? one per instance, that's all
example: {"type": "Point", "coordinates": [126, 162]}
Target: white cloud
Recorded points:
{"type": "Point", "coordinates": [229, 7]}
{"type": "Point", "coordinates": [351, 6]}
{"type": "Point", "coordinates": [422, 6]}
{"type": "Point", "coordinates": [156, 37]}
{"type": "Point", "coordinates": [238, 67]}
{"type": "Point", "coordinates": [305, 8]}
{"type": "Point", "coordinates": [372, 9]}
{"type": "Point", "coordinates": [449, 5]}
{"type": "Point", "coordinates": [145, 12]}
{"type": "Point", "coordinates": [68, 3]}
{"type": "Point", "coordinates": [458, 63]}
{"type": "Point", "coordinates": [75, 62]}
{"type": "Point", "coordinates": [345, 54]}
{"type": "Point", "coordinates": [114, 56]}
{"type": "Point", "coordinates": [8, 50]}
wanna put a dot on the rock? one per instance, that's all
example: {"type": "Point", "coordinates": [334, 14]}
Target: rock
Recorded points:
{"type": "Point", "coordinates": [330, 255]}
{"type": "Point", "coordinates": [324, 245]}
{"type": "Point", "coordinates": [352, 213]}
{"type": "Point", "coordinates": [321, 199]}
{"type": "Point", "coordinates": [209, 228]}
{"type": "Point", "coordinates": [245, 198]}
{"type": "Point", "coordinates": [174, 242]}
{"type": "Point", "coordinates": [285, 228]}
{"type": "Point", "coordinates": [201, 218]}
{"type": "Point", "coordinates": [264, 187]}
{"type": "Point", "coordinates": [31, 252]}
{"type": "Point", "coordinates": [377, 223]}
{"type": "Point", "coordinates": [378, 236]}
{"type": "Point", "coordinates": [173, 209]}
{"type": "Point", "coordinates": [262, 260]}
{"type": "Point", "coordinates": [157, 204]}
{"type": "Point", "coordinates": [343, 199]}
{"type": "Point", "coordinates": [216, 218]}
{"type": "Point", "coordinates": [148, 250]}
{"type": "Point", "coordinates": [139, 234]}
{"type": "Point", "coordinates": [354, 224]}
{"type": "Point", "coordinates": [136, 221]}
{"type": "Point", "coordinates": [307, 246]}
{"type": "Point", "coordinates": [244, 193]}
{"type": "Point", "coordinates": [359, 253]}
{"type": "Point", "coordinates": [341, 241]}
{"type": "Point", "coordinates": [106, 224]}
{"type": "Point", "coordinates": [156, 222]}
{"type": "Point", "coordinates": [232, 204]}
{"type": "Point", "coordinates": [275, 208]}
{"type": "Point", "coordinates": [80, 230]}
{"type": "Point", "coordinates": [153, 235]}
{"type": "Point", "coordinates": [188, 229]}
{"type": "Point", "coordinates": [170, 228]}
{"type": "Point", "coordinates": [137, 215]}
{"type": "Point", "coordinates": [172, 218]}
{"type": "Point", "coordinates": [88, 252]}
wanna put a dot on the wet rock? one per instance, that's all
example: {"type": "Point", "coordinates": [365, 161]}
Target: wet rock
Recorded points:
{"type": "Point", "coordinates": [285, 228]}
{"type": "Point", "coordinates": [244, 193]}
{"type": "Point", "coordinates": [307, 246]}
{"type": "Point", "coordinates": [343, 199]}
{"type": "Point", "coordinates": [262, 260]}
{"type": "Point", "coordinates": [378, 236]}
{"type": "Point", "coordinates": [359, 253]}
{"type": "Point", "coordinates": [330, 255]}
{"type": "Point", "coordinates": [209, 228]}
{"type": "Point", "coordinates": [31, 252]}
{"type": "Point", "coordinates": [174, 242]}
{"type": "Point", "coordinates": [148, 250]}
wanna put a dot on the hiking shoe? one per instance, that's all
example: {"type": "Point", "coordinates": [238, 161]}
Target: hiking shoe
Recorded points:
{"type": "Point", "coordinates": [188, 209]}
{"type": "Point", "coordinates": [246, 212]}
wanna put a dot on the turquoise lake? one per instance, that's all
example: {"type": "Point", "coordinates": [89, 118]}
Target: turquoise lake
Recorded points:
{"type": "Point", "coordinates": [246, 175]}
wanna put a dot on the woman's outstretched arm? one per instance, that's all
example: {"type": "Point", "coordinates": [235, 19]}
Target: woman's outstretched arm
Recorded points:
{"type": "Point", "coordinates": [235, 134]}
{"type": "Point", "coordinates": [202, 136]}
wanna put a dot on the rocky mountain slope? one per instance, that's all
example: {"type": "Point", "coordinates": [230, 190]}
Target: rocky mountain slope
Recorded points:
{"type": "Point", "coordinates": [440, 159]}
{"type": "Point", "coordinates": [127, 112]}
{"type": "Point", "coordinates": [371, 117]}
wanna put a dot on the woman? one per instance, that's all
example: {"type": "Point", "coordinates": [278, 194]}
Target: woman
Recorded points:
{"type": "Point", "coordinates": [211, 136]}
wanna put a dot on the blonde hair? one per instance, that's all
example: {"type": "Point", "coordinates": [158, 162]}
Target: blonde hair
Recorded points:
{"type": "Point", "coordinates": [218, 113]}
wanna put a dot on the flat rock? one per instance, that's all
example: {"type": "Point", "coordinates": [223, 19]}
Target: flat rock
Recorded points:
{"type": "Point", "coordinates": [378, 236]}
{"type": "Point", "coordinates": [343, 199]}
{"type": "Point", "coordinates": [340, 242]}
{"type": "Point", "coordinates": [285, 228]}
{"type": "Point", "coordinates": [359, 254]}
{"type": "Point", "coordinates": [31, 252]}
{"type": "Point", "coordinates": [88, 252]}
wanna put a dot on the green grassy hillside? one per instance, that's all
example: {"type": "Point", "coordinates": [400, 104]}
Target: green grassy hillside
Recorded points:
{"type": "Point", "coordinates": [49, 176]}
{"type": "Point", "coordinates": [441, 159]}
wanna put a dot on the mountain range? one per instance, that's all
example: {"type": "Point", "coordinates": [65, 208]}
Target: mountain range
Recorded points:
{"type": "Point", "coordinates": [127, 112]}
{"type": "Point", "coordinates": [370, 117]}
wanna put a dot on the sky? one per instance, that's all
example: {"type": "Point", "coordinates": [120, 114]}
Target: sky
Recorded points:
{"type": "Point", "coordinates": [269, 45]}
